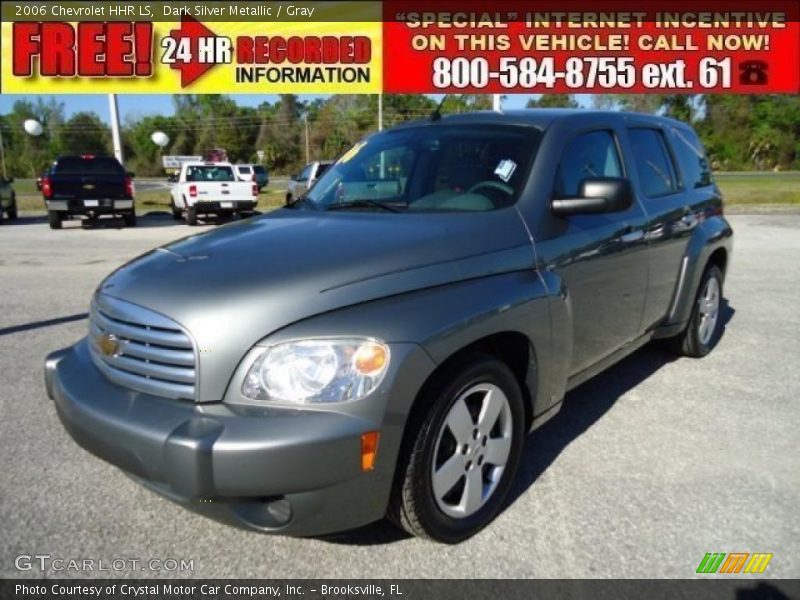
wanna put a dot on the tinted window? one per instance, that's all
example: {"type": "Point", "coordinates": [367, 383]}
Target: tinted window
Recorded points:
{"type": "Point", "coordinates": [260, 170]}
{"type": "Point", "coordinates": [209, 173]}
{"type": "Point", "coordinates": [588, 155]}
{"type": "Point", "coordinates": [322, 168]}
{"type": "Point", "coordinates": [653, 163]}
{"type": "Point", "coordinates": [95, 165]}
{"type": "Point", "coordinates": [691, 158]}
{"type": "Point", "coordinates": [244, 170]}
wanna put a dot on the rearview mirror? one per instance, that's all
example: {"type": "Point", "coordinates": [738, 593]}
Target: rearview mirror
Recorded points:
{"type": "Point", "coordinates": [596, 195]}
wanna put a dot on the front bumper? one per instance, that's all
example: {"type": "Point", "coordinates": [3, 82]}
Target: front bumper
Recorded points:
{"type": "Point", "coordinates": [276, 470]}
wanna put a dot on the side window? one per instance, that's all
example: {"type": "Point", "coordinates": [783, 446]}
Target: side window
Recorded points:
{"type": "Point", "coordinates": [588, 155]}
{"type": "Point", "coordinates": [692, 158]}
{"type": "Point", "coordinates": [653, 163]}
{"type": "Point", "coordinates": [305, 173]}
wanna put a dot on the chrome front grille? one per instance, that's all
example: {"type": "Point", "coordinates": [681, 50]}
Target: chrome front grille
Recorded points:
{"type": "Point", "coordinates": [142, 350]}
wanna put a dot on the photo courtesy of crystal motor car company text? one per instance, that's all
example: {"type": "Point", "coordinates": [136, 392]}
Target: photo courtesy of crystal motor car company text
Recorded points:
{"type": "Point", "coordinates": [399, 279]}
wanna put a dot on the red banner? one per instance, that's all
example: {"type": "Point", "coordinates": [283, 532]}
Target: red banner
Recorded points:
{"type": "Point", "coordinates": [708, 46]}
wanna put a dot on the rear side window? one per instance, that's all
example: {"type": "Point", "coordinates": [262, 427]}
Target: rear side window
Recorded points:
{"type": "Point", "coordinates": [692, 158]}
{"type": "Point", "coordinates": [653, 163]}
{"type": "Point", "coordinates": [588, 155]}
{"type": "Point", "coordinates": [322, 168]}
{"type": "Point", "coordinates": [97, 165]}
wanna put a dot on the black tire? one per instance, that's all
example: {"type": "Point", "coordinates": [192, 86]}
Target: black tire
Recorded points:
{"type": "Point", "coordinates": [177, 213]}
{"type": "Point", "coordinates": [191, 216]}
{"type": "Point", "coordinates": [413, 505]}
{"type": "Point", "coordinates": [288, 198]}
{"type": "Point", "coordinates": [130, 219]}
{"type": "Point", "coordinates": [692, 342]}
{"type": "Point", "coordinates": [54, 219]}
{"type": "Point", "coordinates": [12, 210]}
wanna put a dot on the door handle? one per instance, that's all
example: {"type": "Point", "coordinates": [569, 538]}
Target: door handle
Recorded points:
{"type": "Point", "coordinates": [632, 236]}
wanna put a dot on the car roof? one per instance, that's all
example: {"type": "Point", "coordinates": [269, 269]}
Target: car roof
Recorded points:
{"type": "Point", "coordinates": [540, 118]}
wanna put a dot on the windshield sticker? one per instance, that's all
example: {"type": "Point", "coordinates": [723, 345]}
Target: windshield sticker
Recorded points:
{"type": "Point", "coordinates": [352, 152]}
{"type": "Point", "coordinates": [505, 169]}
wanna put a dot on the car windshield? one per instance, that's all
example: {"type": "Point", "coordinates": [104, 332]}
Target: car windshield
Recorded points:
{"type": "Point", "coordinates": [431, 168]}
{"type": "Point", "coordinates": [94, 165]}
{"type": "Point", "coordinates": [209, 173]}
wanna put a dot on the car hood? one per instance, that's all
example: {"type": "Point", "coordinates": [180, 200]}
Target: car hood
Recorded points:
{"type": "Point", "coordinates": [236, 284]}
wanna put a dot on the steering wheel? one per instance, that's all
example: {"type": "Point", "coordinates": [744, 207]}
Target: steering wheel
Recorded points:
{"type": "Point", "coordinates": [495, 185]}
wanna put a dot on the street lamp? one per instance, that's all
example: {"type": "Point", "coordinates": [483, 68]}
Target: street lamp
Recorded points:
{"type": "Point", "coordinates": [160, 138]}
{"type": "Point", "coordinates": [33, 127]}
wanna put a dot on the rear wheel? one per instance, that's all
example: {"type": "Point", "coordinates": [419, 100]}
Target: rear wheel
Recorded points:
{"type": "Point", "coordinates": [705, 325]}
{"type": "Point", "coordinates": [457, 470]}
{"type": "Point", "coordinates": [288, 198]}
{"type": "Point", "coordinates": [12, 209]}
{"type": "Point", "coordinates": [191, 216]}
{"type": "Point", "coordinates": [54, 219]}
{"type": "Point", "coordinates": [130, 219]}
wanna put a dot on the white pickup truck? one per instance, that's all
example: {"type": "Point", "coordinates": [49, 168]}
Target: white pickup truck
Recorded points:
{"type": "Point", "coordinates": [211, 188]}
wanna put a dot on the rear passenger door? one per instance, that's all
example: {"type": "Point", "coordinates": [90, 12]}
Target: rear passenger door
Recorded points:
{"type": "Point", "coordinates": [672, 210]}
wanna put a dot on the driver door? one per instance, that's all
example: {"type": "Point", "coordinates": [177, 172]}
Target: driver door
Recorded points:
{"type": "Point", "coordinates": [600, 257]}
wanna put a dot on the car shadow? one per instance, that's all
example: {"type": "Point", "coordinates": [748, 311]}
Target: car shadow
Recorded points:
{"type": "Point", "coordinates": [581, 408]}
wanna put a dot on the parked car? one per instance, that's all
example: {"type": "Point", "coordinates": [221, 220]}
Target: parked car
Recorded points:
{"type": "Point", "coordinates": [300, 183]}
{"type": "Point", "coordinates": [211, 188]}
{"type": "Point", "coordinates": [383, 346]}
{"type": "Point", "coordinates": [244, 172]}
{"type": "Point", "coordinates": [8, 199]}
{"type": "Point", "coordinates": [261, 175]}
{"type": "Point", "coordinates": [88, 186]}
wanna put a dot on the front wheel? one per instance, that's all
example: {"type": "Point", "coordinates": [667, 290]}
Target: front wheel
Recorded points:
{"type": "Point", "coordinates": [457, 470]}
{"type": "Point", "coordinates": [705, 325]}
{"type": "Point", "coordinates": [177, 213]}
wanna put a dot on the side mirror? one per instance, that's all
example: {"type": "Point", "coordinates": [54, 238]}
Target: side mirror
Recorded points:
{"type": "Point", "coordinates": [131, 174]}
{"type": "Point", "coordinates": [596, 195]}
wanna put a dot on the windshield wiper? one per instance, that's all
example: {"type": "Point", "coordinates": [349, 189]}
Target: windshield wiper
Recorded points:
{"type": "Point", "coordinates": [365, 203]}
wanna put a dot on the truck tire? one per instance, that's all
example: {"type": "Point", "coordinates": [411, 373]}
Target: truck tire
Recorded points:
{"type": "Point", "coordinates": [12, 210]}
{"type": "Point", "coordinates": [191, 216]}
{"type": "Point", "coordinates": [54, 219]}
{"type": "Point", "coordinates": [455, 470]}
{"type": "Point", "coordinates": [705, 324]}
{"type": "Point", "coordinates": [288, 198]}
{"type": "Point", "coordinates": [177, 213]}
{"type": "Point", "coordinates": [130, 218]}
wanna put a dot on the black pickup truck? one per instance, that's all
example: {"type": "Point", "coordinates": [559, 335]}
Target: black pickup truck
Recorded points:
{"type": "Point", "coordinates": [90, 186]}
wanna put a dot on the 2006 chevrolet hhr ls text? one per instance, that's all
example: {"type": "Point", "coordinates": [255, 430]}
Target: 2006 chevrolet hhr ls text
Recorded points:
{"type": "Point", "coordinates": [382, 345]}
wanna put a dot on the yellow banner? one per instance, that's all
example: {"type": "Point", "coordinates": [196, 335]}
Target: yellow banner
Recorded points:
{"type": "Point", "coordinates": [190, 56]}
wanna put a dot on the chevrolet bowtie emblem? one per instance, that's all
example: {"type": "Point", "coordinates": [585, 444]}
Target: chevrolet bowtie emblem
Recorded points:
{"type": "Point", "coordinates": [108, 344]}
{"type": "Point", "coordinates": [88, 186]}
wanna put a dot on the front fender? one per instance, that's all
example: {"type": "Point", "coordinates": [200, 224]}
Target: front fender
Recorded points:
{"type": "Point", "coordinates": [712, 234]}
{"type": "Point", "coordinates": [445, 319]}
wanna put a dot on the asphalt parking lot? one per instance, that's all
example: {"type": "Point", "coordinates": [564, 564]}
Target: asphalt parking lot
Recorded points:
{"type": "Point", "coordinates": [647, 467]}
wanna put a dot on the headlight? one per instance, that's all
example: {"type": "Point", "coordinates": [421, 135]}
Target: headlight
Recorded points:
{"type": "Point", "coordinates": [317, 371]}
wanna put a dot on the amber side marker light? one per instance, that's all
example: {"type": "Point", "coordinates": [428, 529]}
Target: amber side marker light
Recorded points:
{"type": "Point", "coordinates": [369, 449]}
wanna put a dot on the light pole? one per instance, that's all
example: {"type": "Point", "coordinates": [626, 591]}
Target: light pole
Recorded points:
{"type": "Point", "coordinates": [3, 153]}
{"type": "Point", "coordinates": [308, 152]}
{"type": "Point", "coordinates": [115, 135]}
